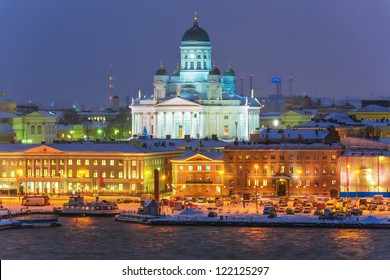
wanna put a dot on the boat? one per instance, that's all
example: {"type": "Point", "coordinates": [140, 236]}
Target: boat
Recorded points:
{"type": "Point", "coordinates": [76, 206]}
{"type": "Point", "coordinates": [134, 217]}
{"type": "Point", "coordinates": [31, 221]}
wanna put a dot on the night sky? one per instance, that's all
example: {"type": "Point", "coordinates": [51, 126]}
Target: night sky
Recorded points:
{"type": "Point", "coordinates": [60, 51]}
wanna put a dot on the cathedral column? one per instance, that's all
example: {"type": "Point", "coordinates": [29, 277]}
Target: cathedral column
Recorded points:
{"type": "Point", "coordinates": [191, 132]}
{"type": "Point", "coordinates": [183, 130]}
{"type": "Point", "coordinates": [165, 125]}
{"type": "Point", "coordinates": [200, 125]}
{"type": "Point", "coordinates": [173, 125]}
{"type": "Point", "coordinates": [132, 125]}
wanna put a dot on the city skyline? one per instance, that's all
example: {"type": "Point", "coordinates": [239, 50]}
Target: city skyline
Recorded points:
{"type": "Point", "coordinates": [61, 52]}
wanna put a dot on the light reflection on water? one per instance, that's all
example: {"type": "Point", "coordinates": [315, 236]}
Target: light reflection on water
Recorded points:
{"type": "Point", "coordinates": [103, 238]}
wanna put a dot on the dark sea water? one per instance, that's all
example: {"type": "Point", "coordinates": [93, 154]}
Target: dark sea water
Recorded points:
{"type": "Point", "coordinates": [103, 238]}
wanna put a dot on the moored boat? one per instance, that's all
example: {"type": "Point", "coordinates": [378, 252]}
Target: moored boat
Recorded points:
{"type": "Point", "coordinates": [77, 207]}
{"type": "Point", "coordinates": [133, 217]}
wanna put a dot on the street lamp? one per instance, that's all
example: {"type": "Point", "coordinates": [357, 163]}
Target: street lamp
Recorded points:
{"type": "Point", "coordinates": [357, 181]}
{"type": "Point", "coordinates": [299, 171]}
{"type": "Point", "coordinates": [221, 177]}
{"type": "Point", "coordinates": [236, 123]}
{"type": "Point", "coordinates": [256, 186]}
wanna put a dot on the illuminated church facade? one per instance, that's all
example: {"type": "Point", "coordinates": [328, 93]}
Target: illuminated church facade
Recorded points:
{"type": "Point", "coordinates": [195, 100]}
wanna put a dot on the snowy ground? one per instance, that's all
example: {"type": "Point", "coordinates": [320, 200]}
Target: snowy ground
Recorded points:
{"type": "Point", "coordinates": [229, 212]}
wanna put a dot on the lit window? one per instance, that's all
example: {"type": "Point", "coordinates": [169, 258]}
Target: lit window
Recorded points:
{"type": "Point", "coordinates": [190, 168]}
{"type": "Point", "coordinates": [70, 162]}
{"type": "Point", "coordinates": [265, 182]}
{"type": "Point", "coordinates": [199, 167]}
{"type": "Point", "coordinates": [87, 162]}
{"type": "Point", "coordinates": [95, 162]}
{"type": "Point", "coordinates": [78, 162]}
{"type": "Point", "coordinates": [181, 167]}
{"type": "Point", "coordinates": [112, 162]}
{"type": "Point", "coordinates": [103, 162]}
{"type": "Point", "coordinates": [208, 167]}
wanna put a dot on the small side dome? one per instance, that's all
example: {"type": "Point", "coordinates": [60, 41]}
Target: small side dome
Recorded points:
{"type": "Point", "coordinates": [229, 72]}
{"type": "Point", "coordinates": [215, 71]}
{"type": "Point", "coordinates": [161, 71]}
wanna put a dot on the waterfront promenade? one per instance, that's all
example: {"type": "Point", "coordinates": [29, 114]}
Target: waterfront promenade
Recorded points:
{"type": "Point", "coordinates": [229, 215]}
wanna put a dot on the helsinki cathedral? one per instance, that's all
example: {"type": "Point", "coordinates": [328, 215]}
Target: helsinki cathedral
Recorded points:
{"type": "Point", "coordinates": [196, 100]}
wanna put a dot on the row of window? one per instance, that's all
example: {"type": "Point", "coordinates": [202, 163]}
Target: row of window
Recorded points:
{"type": "Point", "coordinates": [283, 157]}
{"type": "Point", "coordinates": [199, 167]}
{"type": "Point", "coordinates": [45, 162]}
{"type": "Point", "coordinates": [79, 173]}
{"type": "Point", "coordinates": [299, 168]}
{"type": "Point", "coordinates": [299, 183]}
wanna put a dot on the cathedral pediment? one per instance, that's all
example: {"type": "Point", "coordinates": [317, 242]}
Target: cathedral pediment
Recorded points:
{"type": "Point", "coordinates": [177, 101]}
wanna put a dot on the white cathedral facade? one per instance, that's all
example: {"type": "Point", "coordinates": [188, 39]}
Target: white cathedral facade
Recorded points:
{"type": "Point", "coordinates": [195, 100]}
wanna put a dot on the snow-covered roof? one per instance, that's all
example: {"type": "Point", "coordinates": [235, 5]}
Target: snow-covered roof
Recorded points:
{"type": "Point", "coordinates": [6, 128]}
{"type": "Point", "coordinates": [278, 134]}
{"type": "Point", "coordinates": [5, 115]}
{"type": "Point", "coordinates": [373, 108]}
{"type": "Point", "coordinates": [91, 147]}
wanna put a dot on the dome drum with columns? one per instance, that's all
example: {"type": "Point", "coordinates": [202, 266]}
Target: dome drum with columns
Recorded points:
{"type": "Point", "coordinates": [195, 100]}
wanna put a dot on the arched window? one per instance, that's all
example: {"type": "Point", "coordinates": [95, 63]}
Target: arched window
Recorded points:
{"type": "Point", "coordinates": [39, 129]}
{"type": "Point", "coordinates": [198, 65]}
{"type": "Point", "coordinates": [191, 65]}
{"type": "Point", "coordinates": [204, 65]}
{"type": "Point", "coordinates": [32, 129]}
{"type": "Point", "coordinates": [186, 65]}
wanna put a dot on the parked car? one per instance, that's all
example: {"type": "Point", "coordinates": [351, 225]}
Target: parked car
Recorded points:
{"type": "Point", "coordinates": [322, 216]}
{"type": "Point", "coordinates": [297, 209]}
{"type": "Point", "coordinates": [290, 211]}
{"type": "Point", "coordinates": [318, 212]}
{"type": "Point", "coordinates": [356, 212]}
{"type": "Point", "coordinates": [272, 215]}
{"type": "Point", "coordinates": [341, 216]}
{"type": "Point", "coordinates": [268, 209]}
{"type": "Point", "coordinates": [381, 208]}
{"type": "Point", "coordinates": [281, 210]}
{"type": "Point", "coordinates": [212, 214]}
{"type": "Point", "coordinates": [307, 210]}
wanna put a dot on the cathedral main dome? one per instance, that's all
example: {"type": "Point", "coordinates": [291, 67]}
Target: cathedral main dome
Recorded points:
{"type": "Point", "coordinates": [196, 33]}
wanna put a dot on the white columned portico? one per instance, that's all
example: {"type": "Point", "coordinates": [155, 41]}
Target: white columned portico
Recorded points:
{"type": "Point", "coordinates": [183, 129]}
{"type": "Point", "coordinates": [200, 125]}
{"type": "Point", "coordinates": [173, 126]}
{"type": "Point", "coordinates": [165, 125]}
{"type": "Point", "coordinates": [191, 119]}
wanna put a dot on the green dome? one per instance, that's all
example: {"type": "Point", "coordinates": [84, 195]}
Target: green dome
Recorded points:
{"type": "Point", "coordinates": [229, 72]}
{"type": "Point", "coordinates": [161, 71]}
{"type": "Point", "coordinates": [214, 71]}
{"type": "Point", "coordinates": [195, 33]}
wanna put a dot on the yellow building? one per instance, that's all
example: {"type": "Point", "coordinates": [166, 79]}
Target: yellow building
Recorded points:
{"type": "Point", "coordinates": [371, 112]}
{"type": "Point", "coordinates": [294, 117]}
{"type": "Point", "coordinates": [84, 168]}
{"type": "Point", "coordinates": [199, 175]}
{"type": "Point", "coordinates": [35, 128]}
{"type": "Point", "coordinates": [7, 105]}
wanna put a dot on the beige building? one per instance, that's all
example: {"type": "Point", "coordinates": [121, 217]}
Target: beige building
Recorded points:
{"type": "Point", "coordinates": [283, 169]}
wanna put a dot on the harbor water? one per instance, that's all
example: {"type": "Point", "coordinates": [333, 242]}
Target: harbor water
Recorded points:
{"type": "Point", "coordinates": [102, 238]}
